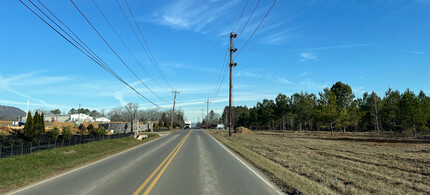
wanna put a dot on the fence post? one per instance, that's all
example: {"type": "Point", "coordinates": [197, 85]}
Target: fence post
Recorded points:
{"type": "Point", "coordinates": [22, 146]}
{"type": "Point", "coordinates": [62, 142]}
{"type": "Point", "coordinates": [11, 150]}
{"type": "Point", "coordinates": [1, 148]}
{"type": "Point", "coordinates": [38, 146]}
{"type": "Point", "coordinates": [55, 145]}
{"type": "Point", "coordinates": [49, 142]}
{"type": "Point", "coordinates": [31, 146]}
{"type": "Point", "coordinates": [80, 139]}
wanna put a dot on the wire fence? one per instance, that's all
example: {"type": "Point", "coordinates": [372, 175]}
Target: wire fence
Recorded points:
{"type": "Point", "coordinates": [24, 147]}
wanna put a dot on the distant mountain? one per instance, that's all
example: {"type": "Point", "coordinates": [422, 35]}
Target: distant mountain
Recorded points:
{"type": "Point", "coordinates": [9, 113]}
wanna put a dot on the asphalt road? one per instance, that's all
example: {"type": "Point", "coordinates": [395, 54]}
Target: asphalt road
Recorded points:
{"type": "Point", "coordinates": [184, 162]}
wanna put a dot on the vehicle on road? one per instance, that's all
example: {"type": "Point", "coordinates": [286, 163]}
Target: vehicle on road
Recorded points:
{"type": "Point", "coordinates": [220, 126]}
{"type": "Point", "coordinates": [187, 124]}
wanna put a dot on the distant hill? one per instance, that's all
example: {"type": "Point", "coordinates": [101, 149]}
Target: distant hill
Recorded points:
{"type": "Point", "coordinates": [9, 113]}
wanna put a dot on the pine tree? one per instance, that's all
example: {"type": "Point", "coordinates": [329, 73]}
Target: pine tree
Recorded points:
{"type": "Point", "coordinates": [28, 128]}
{"type": "Point", "coordinates": [42, 124]}
{"type": "Point", "coordinates": [36, 127]}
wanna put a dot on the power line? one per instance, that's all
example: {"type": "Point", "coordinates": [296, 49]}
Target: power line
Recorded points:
{"type": "Point", "coordinates": [223, 69]}
{"type": "Point", "coordinates": [80, 43]}
{"type": "Point", "coordinates": [119, 37]}
{"type": "Point", "coordinates": [86, 48]}
{"type": "Point", "coordinates": [237, 22]}
{"type": "Point", "coordinates": [249, 18]}
{"type": "Point", "coordinates": [141, 34]}
{"type": "Point", "coordinates": [101, 64]}
{"type": "Point", "coordinates": [224, 66]}
{"type": "Point", "coordinates": [241, 49]}
{"type": "Point", "coordinates": [123, 62]}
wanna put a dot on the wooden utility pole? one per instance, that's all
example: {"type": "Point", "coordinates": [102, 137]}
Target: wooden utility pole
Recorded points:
{"type": "Point", "coordinates": [232, 64]}
{"type": "Point", "coordinates": [207, 113]}
{"type": "Point", "coordinates": [173, 111]}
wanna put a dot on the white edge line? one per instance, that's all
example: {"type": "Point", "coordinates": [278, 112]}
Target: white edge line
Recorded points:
{"type": "Point", "coordinates": [251, 169]}
{"type": "Point", "coordinates": [77, 169]}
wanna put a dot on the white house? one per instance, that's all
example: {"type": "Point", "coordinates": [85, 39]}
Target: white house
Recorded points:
{"type": "Point", "coordinates": [84, 117]}
{"type": "Point", "coordinates": [103, 120]}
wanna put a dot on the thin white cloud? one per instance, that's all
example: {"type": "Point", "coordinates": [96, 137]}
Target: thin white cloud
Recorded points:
{"type": "Point", "coordinates": [29, 79]}
{"type": "Point", "coordinates": [412, 51]}
{"type": "Point", "coordinates": [186, 66]}
{"type": "Point", "coordinates": [304, 73]}
{"type": "Point", "coordinates": [192, 14]}
{"type": "Point", "coordinates": [337, 47]}
{"type": "Point", "coordinates": [249, 74]}
{"type": "Point", "coordinates": [277, 38]}
{"type": "Point", "coordinates": [282, 37]}
{"type": "Point", "coordinates": [282, 80]}
{"type": "Point", "coordinates": [307, 56]}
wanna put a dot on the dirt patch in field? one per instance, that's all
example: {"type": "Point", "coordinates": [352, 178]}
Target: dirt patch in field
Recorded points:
{"type": "Point", "coordinates": [244, 131]}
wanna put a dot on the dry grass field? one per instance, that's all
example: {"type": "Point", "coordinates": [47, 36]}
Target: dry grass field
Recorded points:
{"type": "Point", "coordinates": [351, 163]}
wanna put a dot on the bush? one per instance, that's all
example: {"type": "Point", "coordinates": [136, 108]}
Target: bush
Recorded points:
{"type": "Point", "coordinates": [67, 133]}
{"type": "Point", "coordinates": [54, 133]}
{"type": "Point", "coordinates": [81, 127]}
{"type": "Point", "coordinates": [3, 138]}
{"type": "Point", "coordinates": [101, 131]}
{"type": "Point", "coordinates": [90, 127]}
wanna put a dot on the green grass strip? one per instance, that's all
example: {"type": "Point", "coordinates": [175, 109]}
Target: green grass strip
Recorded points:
{"type": "Point", "coordinates": [22, 170]}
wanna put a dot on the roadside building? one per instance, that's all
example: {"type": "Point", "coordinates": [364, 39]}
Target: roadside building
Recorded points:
{"type": "Point", "coordinates": [81, 117]}
{"type": "Point", "coordinates": [102, 120]}
{"type": "Point", "coordinates": [57, 118]}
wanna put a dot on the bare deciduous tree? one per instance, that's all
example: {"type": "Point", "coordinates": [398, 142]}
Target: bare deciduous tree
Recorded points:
{"type": "Point", "coordinates": [131, 112]}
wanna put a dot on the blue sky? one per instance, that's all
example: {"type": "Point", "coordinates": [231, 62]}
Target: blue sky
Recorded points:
{"type": "Point", "coordinates": [301, 46]}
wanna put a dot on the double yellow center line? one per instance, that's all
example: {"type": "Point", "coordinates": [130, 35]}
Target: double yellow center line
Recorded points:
{"type": "Point", "coordinates": [168, 160]}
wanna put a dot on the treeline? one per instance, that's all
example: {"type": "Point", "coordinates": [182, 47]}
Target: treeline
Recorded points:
{"type": "Point", "coordinates": [338, 109]}
{"type": "Point", "coordinates": [131, 112]}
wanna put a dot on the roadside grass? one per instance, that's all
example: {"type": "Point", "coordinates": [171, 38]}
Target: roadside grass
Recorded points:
{"type": "Point", "coordinates": [22, 170]}
{"type": "Point", "coordinates": [310, 162]}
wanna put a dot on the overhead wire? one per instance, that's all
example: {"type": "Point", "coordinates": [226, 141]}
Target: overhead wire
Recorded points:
{"type": "Point", "coordinates": [241, 13]}
{"type": "Point", "coordinates": [79, 42]}
{"type": "Point", "coordinates": [83, 49]}
{"type": "Point", "coordinates": [241, 49]}
{"type": "Point", "coordinates": [249, 18]}
{"type": "Point", "coordinates": [224, 66]}
{"type": "Point", "coordinates": [125, 45]}
{"type": "Point", "coordinates": [119, 57]}
{"type": "Point", "coordinates": [144, 40]}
